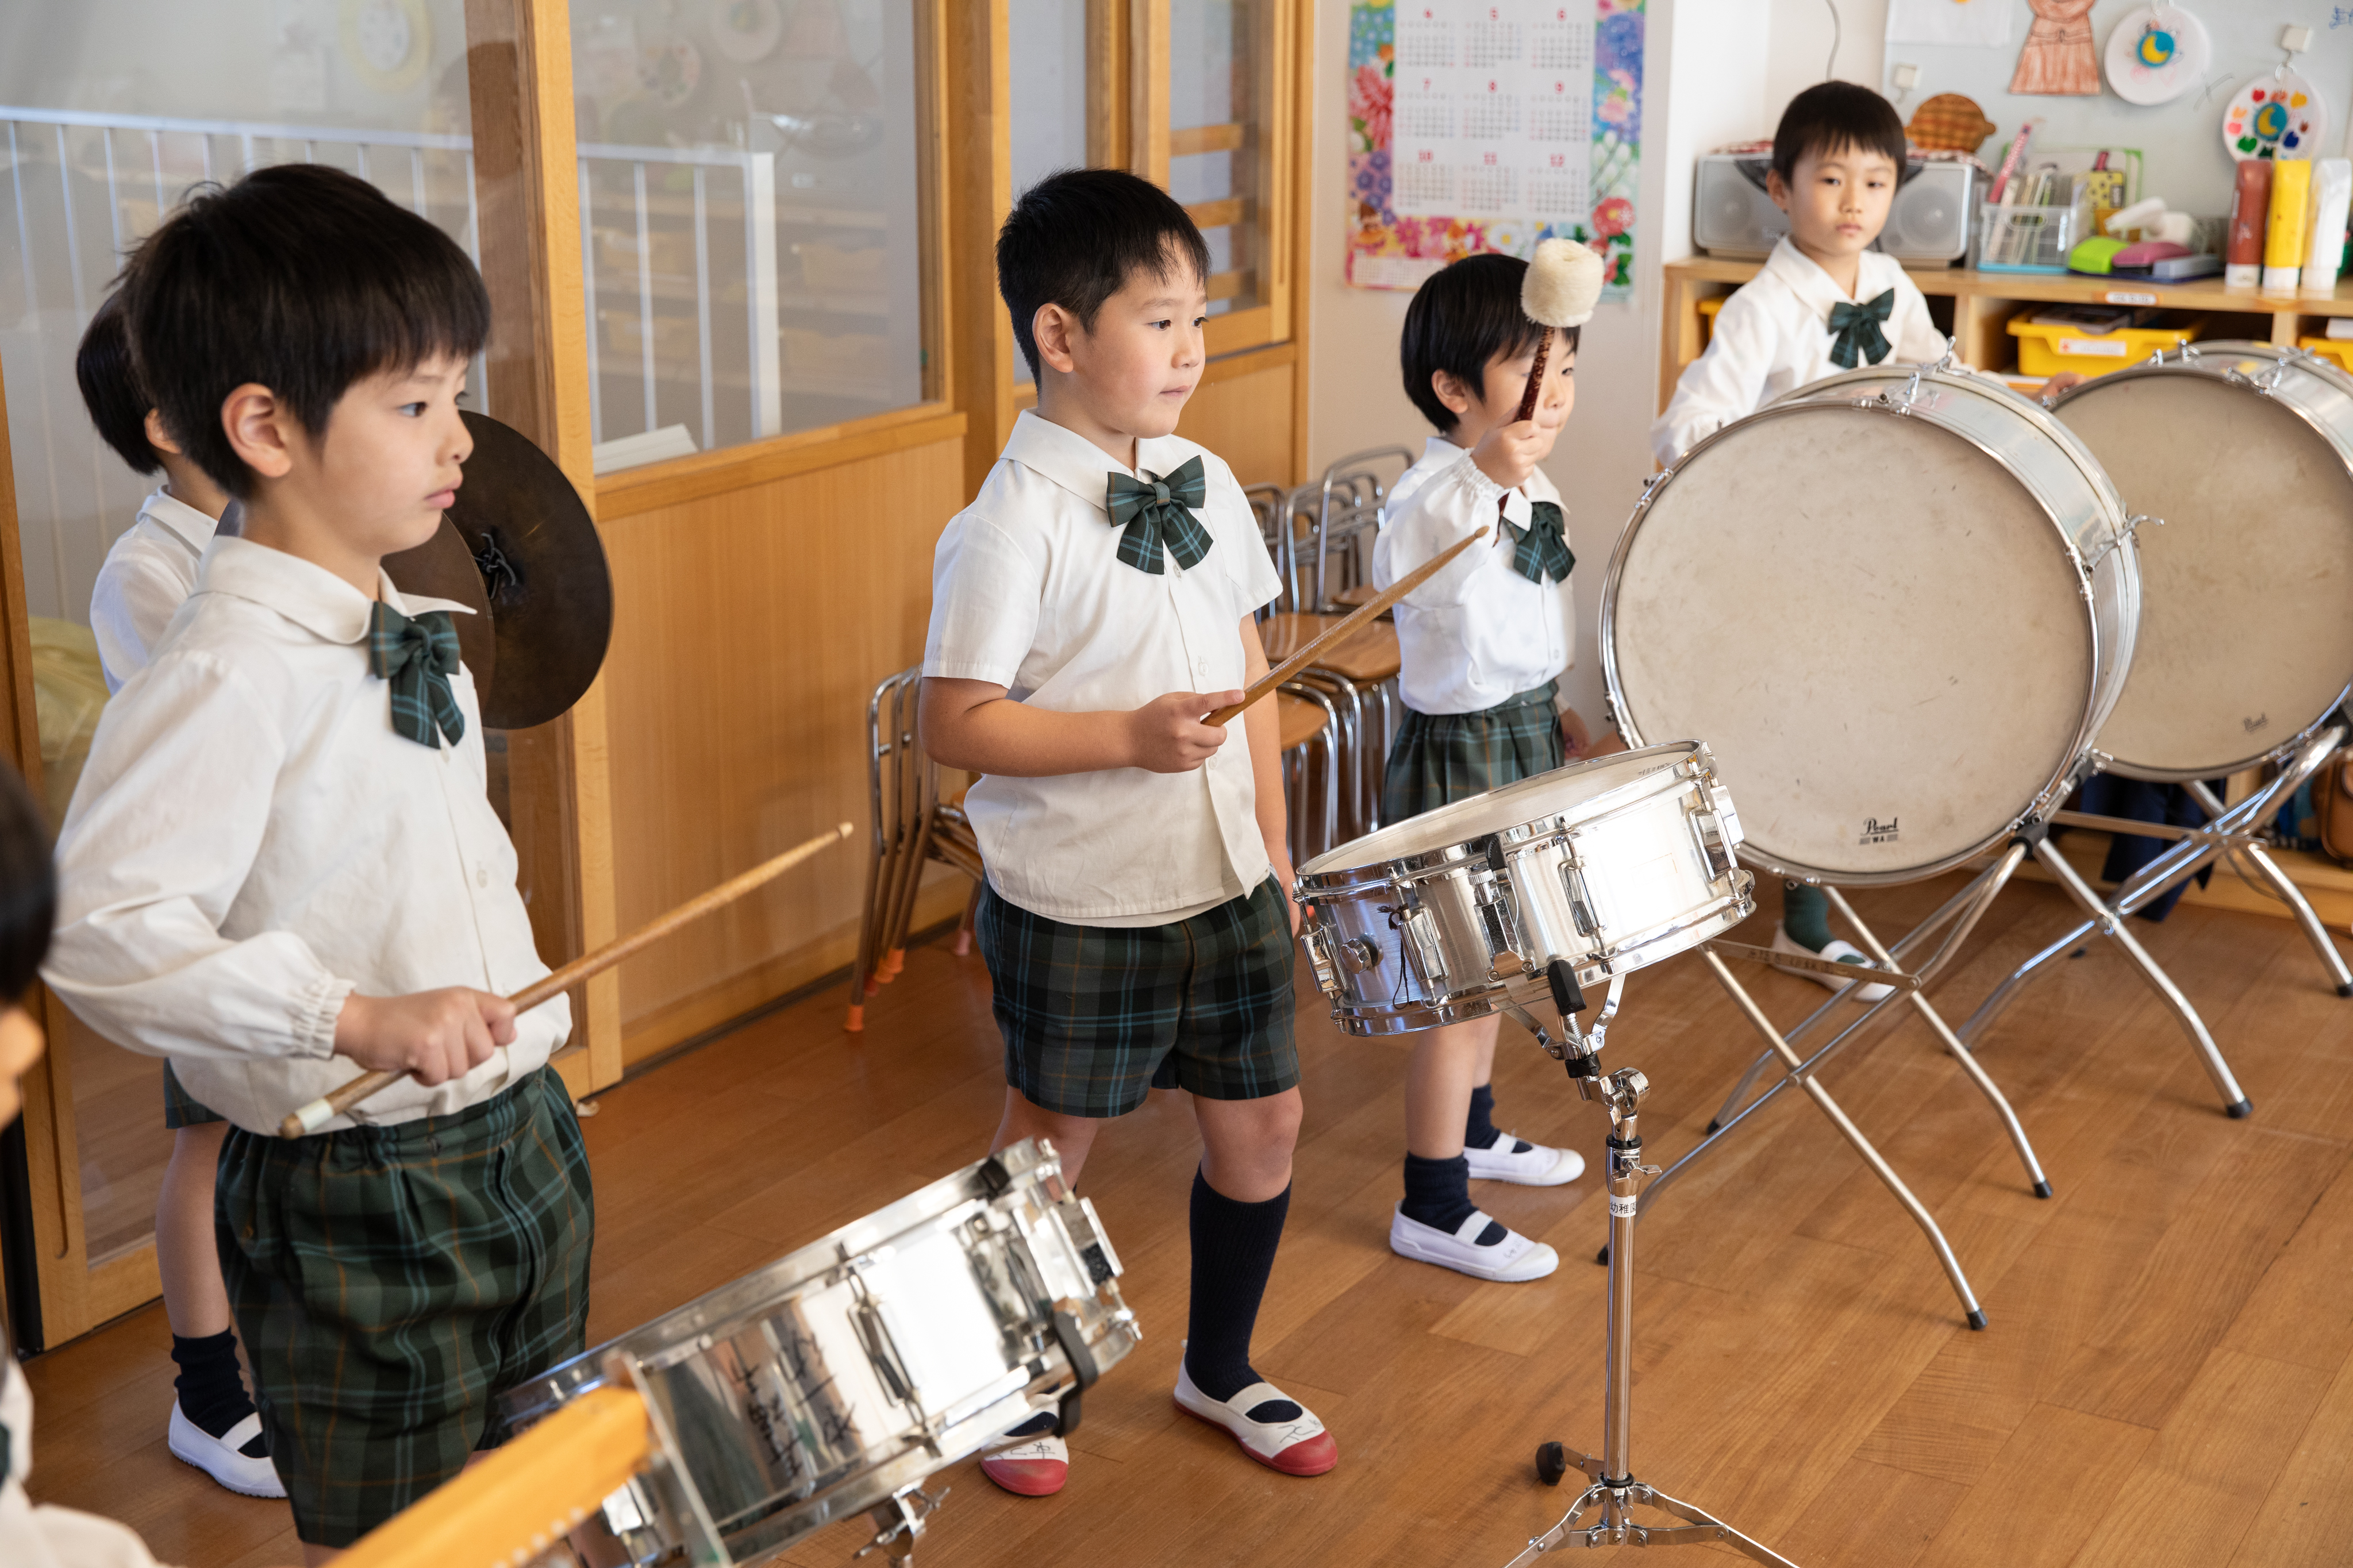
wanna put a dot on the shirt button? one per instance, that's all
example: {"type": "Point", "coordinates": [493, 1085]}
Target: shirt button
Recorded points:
{"type": "Point", "coordinates": [482, 876]}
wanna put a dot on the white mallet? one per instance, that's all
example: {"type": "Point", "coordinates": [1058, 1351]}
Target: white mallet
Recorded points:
{"type": "Point", "coordinates": [1562, 286]}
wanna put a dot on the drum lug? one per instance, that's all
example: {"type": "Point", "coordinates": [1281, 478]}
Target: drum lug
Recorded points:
{"type": "Point", "coordinates": [1581, 901]}
{"type": "Point", "coordinates": [880, 1346]}
{"type": "Point", "coordinates": [1319, 955]}
{"type": "Point", "coordinates": [1715, 844]}
{"type": "Point", "coordinates": [1096, 1246]}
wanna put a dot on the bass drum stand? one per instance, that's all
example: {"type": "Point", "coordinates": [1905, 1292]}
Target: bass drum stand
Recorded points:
{"type": "Point", "coordinates": [1614, 1490]}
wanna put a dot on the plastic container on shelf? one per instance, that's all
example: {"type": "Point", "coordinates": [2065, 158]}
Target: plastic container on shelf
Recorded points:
{"type": "Point", "coordinates": [2338, 351]}
{"type": "Point", "coordinates": [2047, 348]}
{"type": "Point", "coordinates": [2030, 238]}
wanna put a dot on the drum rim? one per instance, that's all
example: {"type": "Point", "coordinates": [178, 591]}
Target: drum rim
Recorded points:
{"type": "Point", "coordinates": [2088, 724]}
{"type": "Point", "coordinates": [2194, 361]}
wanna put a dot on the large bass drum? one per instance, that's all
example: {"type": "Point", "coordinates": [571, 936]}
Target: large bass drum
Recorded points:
{"type": "Point", "coordinates": [2246, 629]}
{"type": "Point", "coordinates": [1898, 604]}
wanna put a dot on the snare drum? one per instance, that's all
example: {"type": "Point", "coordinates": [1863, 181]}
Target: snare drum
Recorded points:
{"type": "Point", "coordinates": [1610, 864]}
{"type": "Point", "coordinates": [2246, 628]}
{"type": "Point", "coordinates": [1898, 603]}
{"type": "Point", "coordinates": [839, 1377]}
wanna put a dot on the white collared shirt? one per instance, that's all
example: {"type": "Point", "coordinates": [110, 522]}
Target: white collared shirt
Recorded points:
{"type": "Point", "coordinates": [252, 842]}
{"type": "Point", "coordinates": [1477, 632]}
{"type": "Point", "coordinates": [43, 1535]}
{"type": "Point", "coordinates": [1028, 593]}
{"type": "Point", "coordinates": [148, 573]}
{"type": "Point", "coordinates": [1773, 336]}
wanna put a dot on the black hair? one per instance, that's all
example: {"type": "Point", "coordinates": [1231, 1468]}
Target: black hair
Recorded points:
{"type": "Point", "coordinates": [1830, 115]}
{"type": "Point", "coordinates": [302, 279]}
{"type": "Point", "coordinates": [1462, 319]}
{"type": "Point", "coordinates": [110, 386]}
{"type": "Point", "coordinates": [1076, 237]}
{"type": "Point", "coordinates": [28, 887]}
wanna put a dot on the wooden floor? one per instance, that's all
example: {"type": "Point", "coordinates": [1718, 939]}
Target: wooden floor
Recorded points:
{"type": "Point", "coordinates": [2168, 1378]}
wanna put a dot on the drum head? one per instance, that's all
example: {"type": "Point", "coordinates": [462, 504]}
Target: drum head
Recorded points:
{"type": "Point", "coordinates": [2246, 621]}
{"type": "Point", "coordinates": [1872, 623]}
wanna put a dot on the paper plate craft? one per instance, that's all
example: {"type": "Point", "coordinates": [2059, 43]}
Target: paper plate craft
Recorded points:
{"type": "Point", "coordinates": [2156, 54]}
{"type": "Point", "coordinates": [670, 71]}
{"type": "Point", "coordinates": [745, 30]}
{"type": "Point", "coordinates": [2277, 115]}
{"type": "Point", "coordinates": [1950, 123]}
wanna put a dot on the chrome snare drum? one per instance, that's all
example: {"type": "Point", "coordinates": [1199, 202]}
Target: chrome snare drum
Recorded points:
{"type": "Point", "coordinates": [1611, 865]}
{"type": "Point", "coordinates": [834, 1380]}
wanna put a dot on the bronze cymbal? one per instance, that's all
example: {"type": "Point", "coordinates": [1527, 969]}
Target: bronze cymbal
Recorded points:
{"type": "Point", "coordinates": [443, 568]}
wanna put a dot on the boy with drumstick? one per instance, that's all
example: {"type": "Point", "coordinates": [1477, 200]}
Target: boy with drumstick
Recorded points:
{"type": "Point", "coordinates": [282, 854]}
{"type": "Point", "coordinates": [148, 573]}
{"type": "Point", "coordinates": [1482, 644]}
{"type": "Point", "coordinates": [1824, 302]}
{"type": "Point", "coordinates": [1093, 603]}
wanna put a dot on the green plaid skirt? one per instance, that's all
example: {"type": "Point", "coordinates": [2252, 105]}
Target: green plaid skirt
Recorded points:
{"type": "Point", "coordinates": [1094, 1015]}
{"type": "Point", "coordinates": [182, 1109]}
{"type": "Point", "coordinates": [389, 1282]}
{"type": "Point", "coordinates": [1440, 758]}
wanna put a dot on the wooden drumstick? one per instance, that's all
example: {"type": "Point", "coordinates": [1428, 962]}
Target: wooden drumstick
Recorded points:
{"type": "Point", "coordinates": [1355, 619]}
{"type": "Point", "coordinates": [319, 1112]}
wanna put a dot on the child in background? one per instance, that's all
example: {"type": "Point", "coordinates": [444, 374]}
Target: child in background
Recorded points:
{"type": "Point", "coordinates": [281, 865]}
{"type": "Point", "coordinates": [148, 574]}
{"type": "Point", "coordinates": [1483, 645]}
{"type": "Point", "coordinates": [1093, 602]}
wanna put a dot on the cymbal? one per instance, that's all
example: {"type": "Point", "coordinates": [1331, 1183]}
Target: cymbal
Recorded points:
{"type": "Point", "coordinates": [443, 568]}
{"type": "Point", "coordinates": [541, 568]}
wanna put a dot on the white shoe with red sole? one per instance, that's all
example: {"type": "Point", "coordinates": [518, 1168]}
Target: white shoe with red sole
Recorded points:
{"type": "Point", "coordinates": [1029, 1465]}
{"type": "Point", "coordinates": [1299, 1447]}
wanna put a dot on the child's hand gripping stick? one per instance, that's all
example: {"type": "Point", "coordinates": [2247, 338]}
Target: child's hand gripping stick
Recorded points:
{"type": "Point", "coordinates": [319, 1112]}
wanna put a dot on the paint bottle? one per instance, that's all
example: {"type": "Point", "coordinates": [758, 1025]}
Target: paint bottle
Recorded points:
{"type": "Point", "coordinates": [2284, 233]}
{"type": "Point", "coordinates": [2251, 196]}
{"type": "Point", "coordinates": [2332, 196]}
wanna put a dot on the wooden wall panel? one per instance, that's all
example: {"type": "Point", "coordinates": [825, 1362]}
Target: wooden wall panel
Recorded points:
{"type": "Point", "coordinates": [749, 630]}
{"type": "Point", "coordinates": [1246, 419]}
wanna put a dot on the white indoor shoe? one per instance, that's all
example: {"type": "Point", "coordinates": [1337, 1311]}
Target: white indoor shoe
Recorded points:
{"type": "Point", "coordinates": [1029, 1467]}
{"type": "Point", "coordinates": [1299, 1447]}
{"type": "Point", "coordinates": [221, 1458]}
{"type": "Point", "coordinates": [1532, 1166]}
{"type": "Point", "coordinates": [1838, 951]}
{"type": "Point", "coordinates": [1509, 1261]}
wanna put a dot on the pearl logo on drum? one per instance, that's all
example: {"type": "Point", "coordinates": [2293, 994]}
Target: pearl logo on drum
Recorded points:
{"type": "Point", "coordinates": [1877, 832]}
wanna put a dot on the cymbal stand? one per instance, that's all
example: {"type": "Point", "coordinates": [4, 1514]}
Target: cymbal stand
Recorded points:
{"type": "Point", "coordinates": [1614, 1492]}
{"type": "Point", "coordinates": [2231, 830]}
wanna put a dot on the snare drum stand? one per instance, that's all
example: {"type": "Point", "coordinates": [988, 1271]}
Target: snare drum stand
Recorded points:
{"type": "Point", "coordinates": [1614, 1490]}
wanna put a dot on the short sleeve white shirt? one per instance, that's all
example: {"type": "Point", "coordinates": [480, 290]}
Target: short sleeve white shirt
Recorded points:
{"type": "Point", "coordinates": [1028, 593]}
{"type": "Point", "coordinates": [252, 842]}
{"type": "Point", "coordinates": [1477, 632]}
{"type": "Point", "coordinates": [1773, 336]}
{"type": "Point", "coordinates": [148, 574]}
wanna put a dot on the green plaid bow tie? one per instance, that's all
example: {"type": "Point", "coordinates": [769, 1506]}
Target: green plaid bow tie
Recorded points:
{"type": "Point", "coordinates": [1855, 328]}
{"type": "Point", "coordinates": [1542, 546]}
{"type": "Point", "coordinates": [418, 657]}
{"type": "Point", "coordinates": [1156, 511]}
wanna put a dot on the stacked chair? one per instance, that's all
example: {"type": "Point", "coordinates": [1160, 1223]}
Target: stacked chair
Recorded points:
{"type": "Point", "coordinates": [912, 827]}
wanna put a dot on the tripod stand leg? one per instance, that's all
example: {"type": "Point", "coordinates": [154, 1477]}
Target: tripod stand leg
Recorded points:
{"type": "Point", "coordinates": [2233, 1100]}
{"type": "Point", "coordinates": [2305, 918]}
{"type": "Point", "coordinates": [1959, 1053]}
{"type": "Point", "coordinates": [1730, 1536]}
{"type": "Point", "coordinates": [1862, 1146]}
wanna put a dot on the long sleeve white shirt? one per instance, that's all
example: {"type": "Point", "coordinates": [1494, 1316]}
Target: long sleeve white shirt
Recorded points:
{"type": "Point", "coordinates": [45, 1535]}
{"type": "Point", "coordinates": [1477, 632]}
{"type": "Point", "coordinates": [148, 574]}
{"type": "Point", "coordinates": [252, 842]}
{"type": "Point", "coordinates": [1028, 593]}
{"type": "Point", "coordinates": [1773, 336]}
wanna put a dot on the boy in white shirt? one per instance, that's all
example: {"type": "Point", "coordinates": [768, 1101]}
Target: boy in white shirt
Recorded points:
{"type": "Point", "coordinates": [1482, 644]}
{"type": "Point", "coordinates": [1089, 607]}
{"type": "Point", "coordinates": [282, 854]}
{"type": "Point", "coordinates": [148, 574]}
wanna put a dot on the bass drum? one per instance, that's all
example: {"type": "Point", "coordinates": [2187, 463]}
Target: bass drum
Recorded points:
{"type": "Point", "coordinates": [1897, 604]}
{"type": "Point", "coordinates": [2246, 632]}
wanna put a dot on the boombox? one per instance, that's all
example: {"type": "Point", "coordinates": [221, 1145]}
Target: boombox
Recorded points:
{"type": "Point", "coordinates": [1927, 226]}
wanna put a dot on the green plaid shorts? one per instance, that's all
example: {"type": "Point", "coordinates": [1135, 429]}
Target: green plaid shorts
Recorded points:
{"type": "Point", "coordinates": [181, 1108]}
{"type": "Point", "coordinates": [1094, 1015]}
{"type": "Point", "coordinates": [389, 1282]}
{"type": "Point", "coordinates": [1440, 758]}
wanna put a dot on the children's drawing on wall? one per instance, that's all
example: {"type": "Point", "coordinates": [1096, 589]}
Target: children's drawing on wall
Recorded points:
{"type": "Point", "coordinates": [2058, 60]}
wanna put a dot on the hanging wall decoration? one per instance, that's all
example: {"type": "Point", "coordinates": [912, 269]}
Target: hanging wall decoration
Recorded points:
{"type": "Point", "coordinates": [1489, 127]}
{"type": "Point", "coordinates": [2277, 115]}
{"type": "Point", "coordinates": [2058, 60]}
{"type": "Point", "coordinates": [2156, 54]}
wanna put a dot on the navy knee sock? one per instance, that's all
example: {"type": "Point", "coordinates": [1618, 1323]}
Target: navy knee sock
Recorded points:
{"type": "Point", "coordinates": [1233, 1254]}
{"type": "Point", "coordinates": [211, 1387]}
{"type": "Point", "coordinates": [1481, 1132]}
{"type": "Point", "coordinates": [1438, 1194]}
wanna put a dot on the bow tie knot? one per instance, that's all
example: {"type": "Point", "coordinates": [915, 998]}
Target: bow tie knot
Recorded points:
{"type": "Point", "coordinates": [1541, 549]}
{"type": "Point", "coordinates": [1854, 330]}
{"type": "Point", "coordinates": [416, 655]}
{"type": "Point", "coordinates": [1157, 511]}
